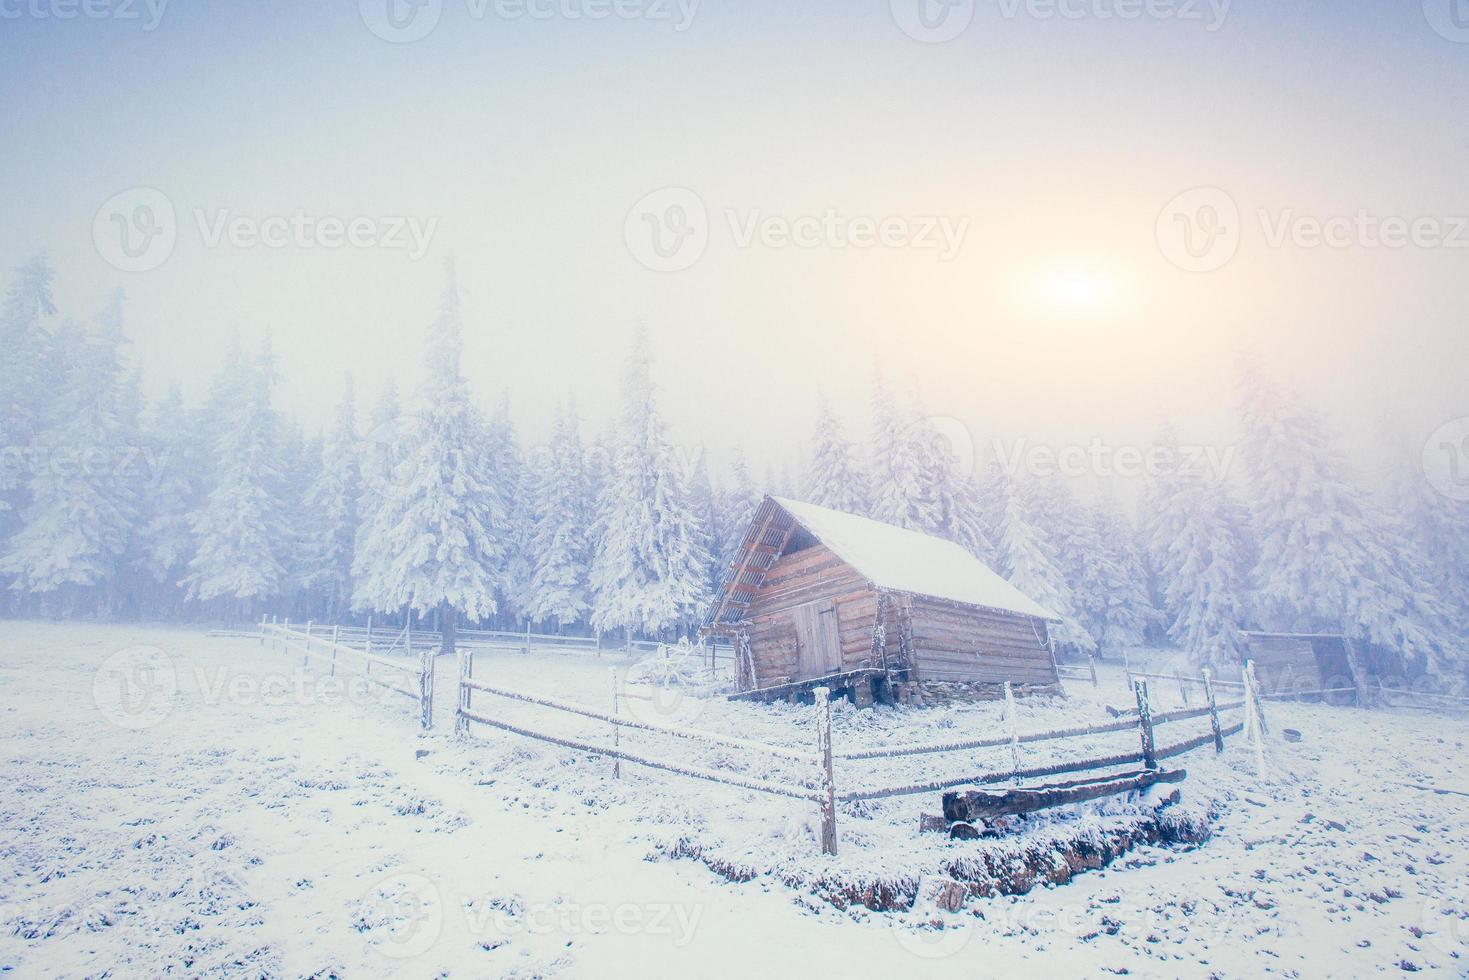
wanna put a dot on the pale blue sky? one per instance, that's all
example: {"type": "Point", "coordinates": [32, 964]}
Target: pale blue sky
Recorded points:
{"type": "Point", "coordinates": [528, 141]}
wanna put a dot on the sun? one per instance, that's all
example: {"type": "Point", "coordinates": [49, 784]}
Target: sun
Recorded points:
{"type": "Point", "coordinates": [1078, 292]}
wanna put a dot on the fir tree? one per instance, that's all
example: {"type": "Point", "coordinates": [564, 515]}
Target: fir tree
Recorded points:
{"type": "Point", "coordinates": [560, 538]}
{"type": "Point", "coordinates": [1203, 569]}
{"type": "Point", "coordinates": [649, 570]}
{"type": "Point", "coordinates": [834, 479]}
{"type": "Point", "coordinates": [446, 550]}
{"type": "Point", "coordinates": [1032, 560]}
{"type": "Point", "coordinates": [1326, 558]}
{"type": "Point", "coordinates": [170, 493]}
{"type": "Point", "coordinates": [331, 502]}
{"type": "Point", "coordinates": [82, 503]}
{"type": "Point", "coordinates": [237, 527]}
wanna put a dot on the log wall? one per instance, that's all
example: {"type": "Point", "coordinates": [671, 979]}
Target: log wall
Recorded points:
{"type": "Point", "coordinates": [963, 643]}
{"type": "Point", "coordinates": [812, 575]}
{"type": "Point", "coordinates": [1283, 662]}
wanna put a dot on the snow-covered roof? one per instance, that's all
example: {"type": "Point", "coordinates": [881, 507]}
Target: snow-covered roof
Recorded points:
{"type": "Point", "coordinates": [909, 561]}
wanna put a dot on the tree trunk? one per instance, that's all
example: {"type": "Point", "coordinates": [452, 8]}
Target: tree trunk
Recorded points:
{"type": "Point", "coordinates": [447, 628]}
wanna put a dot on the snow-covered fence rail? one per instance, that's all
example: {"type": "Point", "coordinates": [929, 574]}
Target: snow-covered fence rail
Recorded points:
{"type": "Point", "coordinates": [1145, 722]}
{"type": "Point", "coordinates": [413, 680]}
{"type": "Point", "coordinates": [817, 789]}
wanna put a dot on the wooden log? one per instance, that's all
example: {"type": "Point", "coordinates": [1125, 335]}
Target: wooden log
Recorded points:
{"type": "Point", "coordinates": [973, 805]}
{"type": "Point", "coordinates": [1145, 725]}
{"type": "Point", "coordinates": [828, 782]}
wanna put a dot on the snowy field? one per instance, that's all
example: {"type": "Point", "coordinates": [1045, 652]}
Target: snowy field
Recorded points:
{"type": "Point", "coordinates": [256, 820]}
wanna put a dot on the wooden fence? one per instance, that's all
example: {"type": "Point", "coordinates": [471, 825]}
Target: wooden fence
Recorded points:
{"type": "Point", "coordinates": [819, 784]}
{"type": "Point", "coordinates": [411, 679]}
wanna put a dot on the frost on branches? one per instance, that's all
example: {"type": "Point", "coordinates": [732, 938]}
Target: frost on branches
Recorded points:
{"type": "Point", "coordinates": [649, 572]}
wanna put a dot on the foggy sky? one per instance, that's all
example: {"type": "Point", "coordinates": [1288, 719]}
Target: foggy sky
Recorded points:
{"type": "Point", "coordinates": [526, 141]}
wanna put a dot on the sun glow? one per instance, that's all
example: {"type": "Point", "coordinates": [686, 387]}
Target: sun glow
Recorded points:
{"type": "Point", "coordinates": [1079, 292]}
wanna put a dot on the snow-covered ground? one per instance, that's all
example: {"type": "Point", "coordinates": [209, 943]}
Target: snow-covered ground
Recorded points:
{"type": "Point", "coordinates": [254, 819]}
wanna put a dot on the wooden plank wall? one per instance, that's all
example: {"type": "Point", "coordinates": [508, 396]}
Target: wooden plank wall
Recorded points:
{"type": "Point", "coordinates": [962, 643]}
{"type": "Point", "coordinates": [1281, 661]}
{"type": "Point", "coordinates": [810, 575]}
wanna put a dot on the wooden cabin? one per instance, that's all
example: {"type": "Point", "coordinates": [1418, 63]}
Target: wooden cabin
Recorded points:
{"type": "Point", "coordinates": [1290, 663]}
{"type": "Point", "coordinates": [817, 597]}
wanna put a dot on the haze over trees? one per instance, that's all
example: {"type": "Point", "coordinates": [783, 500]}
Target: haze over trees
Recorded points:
{"type": "Point", "coordinates": [433, 508]}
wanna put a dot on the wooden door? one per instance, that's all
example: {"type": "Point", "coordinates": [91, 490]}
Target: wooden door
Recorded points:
{"type": "Point", "coordinates": [818, 640]}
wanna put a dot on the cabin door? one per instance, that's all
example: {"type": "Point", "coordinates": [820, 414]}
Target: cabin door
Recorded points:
{"type": "Point", "coordinates": [818, 642]}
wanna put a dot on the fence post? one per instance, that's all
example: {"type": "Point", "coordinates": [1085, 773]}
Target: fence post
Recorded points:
{"type": "Point", "coordinates": [828, 781]}
{"type": "Point", "coordinates": [1014, 728]}
{"type": "Point", "coordinates": [1213, 710]}
{"type": "Point", "coordinates": [1127, 668]}
{"type": "Point", "coordinates": [1145, 724]}
{"type": "Point", "coordinates": [616, 729]}
{"type": "Point", "coordinates": [1182, 687]}
{"type": "Point", "coordinates": [285, 635]}
{"type": "Point", "coordinates": [336, 631]}
{"type": "Point", "coordinates": [426, 687]}
{"type": "Point", "coordinates": [1252, 721]}
{"type": "Point", "coordinates": [1253, 683]}
{"type": "Point", "coordinates": [369, 635]}
{"type": "Point", "coordinates": [526, 649]}
{"type": "Point", "coordinates": [306, 648]}
{"type": "Point", "coordinates": [599, 643]}
{"type": "Point", "coordinates": [262, 629]}
{"type": "Point", "coordinates": [466, 672]}
{"type": "Point", "coordinates": [1091, 662]}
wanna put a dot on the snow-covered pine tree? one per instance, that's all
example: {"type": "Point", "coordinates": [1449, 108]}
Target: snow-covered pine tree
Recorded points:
{"type": "Point", "coordinates": [331, 503]}
{"type": "Point", "coordinates": [176, 458]}
{"type": "Point", "coordinates": [1204, 571]}
{"type": "Point", "coordinates": [899, 459]}
{"type": "Point", "coordinates": [517, 485]}
{"type": "Point", "coordinates": [835, 478]}
{"type": "Point", "coordinates": [648, 574]}
{"type": "Point", "coordinates": [237, 527]}
{"type": "Point", "coordinates": [704, 500]}
{"type": "Point", "coordinates": [81, 504]}
{"type": "Point", "coordinates": [1434, 527]}
{"type": "Point", "coordinates": [560, 537]}
{"type": "Point", "coordinates": [380, 506]}
{"type": "Point", "coordinates": [448, 546]}
{"type": "Point", "coordinates": [740, 500]}
{"type": "Point", "coordinates": [1031, 557]}
{"type": "Point", "coordinates": [26, 343]}
{"type": "Point", "coordinates": [1326, 560]}
{"type": "Point", "coordinates": [1120, 577]}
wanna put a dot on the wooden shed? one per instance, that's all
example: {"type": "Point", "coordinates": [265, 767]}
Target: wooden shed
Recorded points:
{"type": "Point", "coordinates": [820, 597]}
{"type": "Point", "coordinates": [1289, 663]}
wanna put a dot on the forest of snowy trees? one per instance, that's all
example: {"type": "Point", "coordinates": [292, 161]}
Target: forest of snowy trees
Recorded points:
{"type": "Point", "coordinates": [111, 506]}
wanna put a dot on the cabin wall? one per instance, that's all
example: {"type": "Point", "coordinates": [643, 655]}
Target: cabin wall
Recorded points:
{"type": "Point", "coordinates": [813, 575]}
{"type": "Point", "coordinates": [962, 643]}
{"type": "Point", "coordinates": [1283, 662]}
